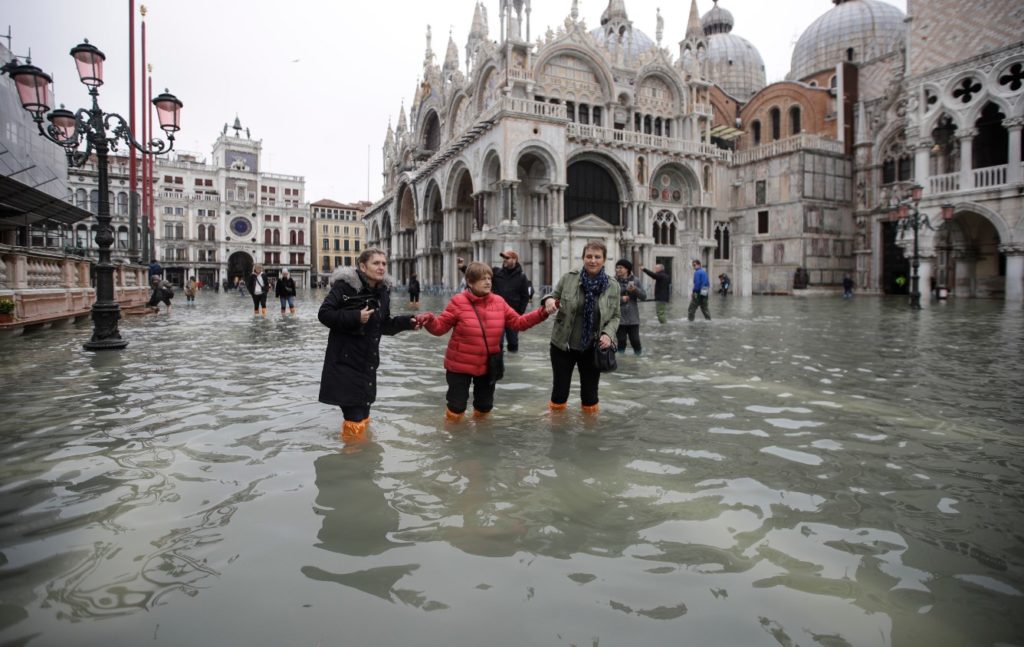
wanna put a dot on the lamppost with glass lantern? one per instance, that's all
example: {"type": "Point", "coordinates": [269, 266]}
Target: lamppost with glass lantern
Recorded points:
{"type": "Point", "coordinates": [907, 215]}
{"type": "Point", "coordinates": [100, 132]}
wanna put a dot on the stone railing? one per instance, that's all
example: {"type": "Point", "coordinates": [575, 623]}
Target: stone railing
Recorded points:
{"type": "Point", "coordinates": [629, 138]}
{"type": "Point", "coordinates": [703, 109]}
{"type": "Point", "coordinates": [803, 141]}
{"type": "Point", "coordinates": [990, 176]}
{"type": "Point", "coordinates": [945, 183]}
{"type": "Point", "coordinates": [47, 286]}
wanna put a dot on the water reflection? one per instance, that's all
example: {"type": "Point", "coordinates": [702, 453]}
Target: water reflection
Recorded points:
{"type": "Point", "coordinates": [794, 472]}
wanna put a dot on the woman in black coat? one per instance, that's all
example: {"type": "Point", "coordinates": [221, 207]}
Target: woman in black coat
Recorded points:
{"type": "Point", "coordinates": [358, 312]}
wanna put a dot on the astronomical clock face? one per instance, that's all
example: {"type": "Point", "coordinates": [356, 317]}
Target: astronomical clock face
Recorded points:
{"type": "Point", "coordinates": [241, 226]}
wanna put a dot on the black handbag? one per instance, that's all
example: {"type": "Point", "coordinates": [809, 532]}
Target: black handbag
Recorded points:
{"type": "Point", "coordinates": [495, 361]}
{"type": "Point", "coordinates": [604, 358]}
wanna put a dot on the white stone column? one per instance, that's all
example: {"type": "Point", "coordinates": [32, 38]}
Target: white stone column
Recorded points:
{"type": "Point", "coordinates": [965, 275]}
{"type": "Point", "coordinates": [1014, 168]}
{"type": "Point", "coordinates": [536, 256]}
{"type": "Point", "coordinates": [922, 167]}
{"type": "Point", "coordinates": [967, 160]}
{"type": "Point", "coordinates": [1014, 289]}
{"type": "Point", "coordinates": [925, 271]}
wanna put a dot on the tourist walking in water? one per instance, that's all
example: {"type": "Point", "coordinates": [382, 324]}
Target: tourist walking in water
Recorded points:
{"type": "Point", "coordinates": [285, 291]}
{"type": "Point", "coordinates": [587, 304]}
{"type": "Point", "coordinates": [662, 290]}
{"type": "Point", "coordinates": [414, 290]}
{"type": "Point", "coordinates": [357, 311]}
{"type": "Point", "coordinates": [699, 294]}
{"type": "Point", "coordinates": [847, 287]}
{"type": "Point", "coordinates": [477, 318]}
{"type": "Point", "coordinates": [631, 295]}
{"type": "Point", "coordinates": [163, 292]}
{"type": "Point", "coordinates": [259, 286]}
{"type": "Point", "coordinates": [191, 287]}
{"type": "Point", "coordinates": [511, 284]}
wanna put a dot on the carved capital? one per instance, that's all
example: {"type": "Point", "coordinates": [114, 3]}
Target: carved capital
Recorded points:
{"type": "Point", "coordinates": [1012, 249]}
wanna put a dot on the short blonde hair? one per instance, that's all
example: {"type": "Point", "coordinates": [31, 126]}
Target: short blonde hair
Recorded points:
{"type": "Point", "coordinates": [477, 271]}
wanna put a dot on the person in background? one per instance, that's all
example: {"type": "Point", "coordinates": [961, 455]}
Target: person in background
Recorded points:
{"type": "Point", "coordinates": [724, 283]}
{"type": "Point", "coordinates": [357, 311]}
{"type": "Point", "coordinates": [477, 318]}
{"type": "Point", "coordinates": [699, 294]}
{"type": "Point", "coordinates": [191, 287]}
{"type": "Point", "coordinates": [847, 287]}
{"type": "Point", "coordinates": [163, 291]}
{"type": "Point", "coordinates": [631, 294]}
{"type": "Point", "coordinates": [662, 290]}
{"type": "Point", "coordinates": [259, 286]}
{"type": "Point", "coordinates": [155, 269]}
{"type": "Point", "coordinates": [414, 291]}
{"type": "Point", "coordinates": [588, 308]}
{"type": "Point", "coordinates": [511, 284]}
{"type": "Point", "coordinates": [285, 291]}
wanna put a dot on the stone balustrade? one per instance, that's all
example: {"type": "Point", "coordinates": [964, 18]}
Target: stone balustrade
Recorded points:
{"type": "Point", "coordinates": [803, 141]}
{"type": "Point", "coordinates": [642, 140]}
{"type": "Point", "coordinates": [48, 286]}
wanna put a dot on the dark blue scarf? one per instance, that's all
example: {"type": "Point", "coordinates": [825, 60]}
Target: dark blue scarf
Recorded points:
{"type": "Point", "coordinates": [592, 287]}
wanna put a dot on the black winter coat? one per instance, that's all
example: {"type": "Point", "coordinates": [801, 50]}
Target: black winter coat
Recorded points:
{"type": "Point", "coordinates": [349, 375]}
{"type": "Point", "coordinates": [662, 285]}
{"type": "Point", "coordinates": [285, 287]}
{"type": "Point", "coordinates": [513, 286]}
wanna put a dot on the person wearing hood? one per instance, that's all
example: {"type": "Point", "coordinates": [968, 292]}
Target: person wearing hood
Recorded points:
{"type": "Point", "coordinates": [357, 311]}
{"type": "Point", "coordinates": [477, 317]}
{"type": "Point", "coordinates": [285, 291]}
{"type": "Point", "coordinates": [511, 284]}
{"type": "Point", "coordinates": [631, 294]}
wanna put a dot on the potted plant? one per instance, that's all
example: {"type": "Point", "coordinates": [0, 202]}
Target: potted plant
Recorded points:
{"type": "Point", "coordinates": [6, 310]}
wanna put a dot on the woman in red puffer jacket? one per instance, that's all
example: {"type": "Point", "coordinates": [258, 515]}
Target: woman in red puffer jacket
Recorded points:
{"type": "Point", "coordinates": [472, 313]}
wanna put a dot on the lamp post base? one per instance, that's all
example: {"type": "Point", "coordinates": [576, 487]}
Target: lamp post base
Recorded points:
{"type": "Point", "coordinates": [105, 334]}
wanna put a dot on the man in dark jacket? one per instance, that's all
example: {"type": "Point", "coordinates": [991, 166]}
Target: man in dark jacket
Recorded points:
{"type": "Point", "coordinates": [511, 284]}
{"type": "Point", "coordinates": [285, 291]}
{"type": "Point", "coordinates": [358, 312]}
{"type": "Point", "coordinates": [662, 290]}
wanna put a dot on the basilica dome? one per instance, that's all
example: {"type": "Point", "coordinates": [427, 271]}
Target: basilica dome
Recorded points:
{"type": "Point", "coordinates": [635, 41]}
{"type": "Point", "coordinates": [853, 30]}
{"type": "Point", "coordinates": [733, 63]}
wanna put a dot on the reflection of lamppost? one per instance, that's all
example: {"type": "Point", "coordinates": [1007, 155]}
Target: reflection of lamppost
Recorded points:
{"type": "Point", "coordinates": [907, 216]}
{"type": "Point", "coordinates": [100, 132]}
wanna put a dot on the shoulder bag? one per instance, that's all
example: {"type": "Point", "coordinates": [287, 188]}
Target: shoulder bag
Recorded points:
{"type": "Point", "coordinates": [495, 361]}
{"type": "Point", "coordinates": [604, 358]}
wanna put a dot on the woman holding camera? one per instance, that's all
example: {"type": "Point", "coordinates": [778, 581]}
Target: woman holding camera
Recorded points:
{"type": "Point", "coordinates": [358, 312]}
{"type": "Point", "coordinates": [588, 308]}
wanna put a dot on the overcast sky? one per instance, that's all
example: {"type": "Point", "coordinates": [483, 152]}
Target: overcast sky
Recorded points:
{"type": "Point", "coordinates": [318, 80]}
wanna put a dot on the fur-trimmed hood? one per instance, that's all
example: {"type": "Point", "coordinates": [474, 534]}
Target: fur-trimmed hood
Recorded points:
{"type": "Point", "coordinates": [354, 278]}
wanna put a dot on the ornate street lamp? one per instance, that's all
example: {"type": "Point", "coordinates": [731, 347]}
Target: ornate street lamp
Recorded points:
{"type": "Point", "coordinates": [907, 216]}
{"type": "Point", "coordinates": [100, 132]}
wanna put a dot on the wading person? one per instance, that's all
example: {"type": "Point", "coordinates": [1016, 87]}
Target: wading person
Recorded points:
{"type": "Point", "coordinates": [699, 294]}
{"type": "Point", "coordinates": [477, 317]}
{"type": "Point", "coordinates": [285, 291]}
{"type": "Point", "coordinates": [162, 292]}
{"type": "Point", "coordinates": [511, 284]}
{"type": "Point", "coordinates": [587, 304]}
{"type": "Point", "coordinates": [631, 295]}
{"type": "Point", "coordinates": [259, 286]}
{"type": "Point", "coordinates": [191, 287]}
{"type": "Point", "coordinates": [662, 290]}
{"type": "Point", "coordinates": [414, 291]}
{"type": "Point", "coordinates": [357, 311]}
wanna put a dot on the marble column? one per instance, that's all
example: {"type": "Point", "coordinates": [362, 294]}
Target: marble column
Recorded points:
{"type": "Point", "coordinates": [1015, 168]}
{"type": "Point", "coordinates": [967, 159]}
{"type": "Point", "coordinates": [1014, 288]}
{"type": "Point", "coordinates": [922, 153]}
{"type": "Point", "coordinates": [966, 264]}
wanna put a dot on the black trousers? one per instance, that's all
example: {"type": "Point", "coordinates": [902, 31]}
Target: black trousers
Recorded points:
{"type": "Point", "coordinates": [457, 397]}
{"type": "Point", "coordinates": [259, 301]}
{"type": "Point", "coordinates": [562, 364]}
{"type": "Point", "coordinates": [633, 331]}
{"type": "Point", "coordinates": [355, 414]}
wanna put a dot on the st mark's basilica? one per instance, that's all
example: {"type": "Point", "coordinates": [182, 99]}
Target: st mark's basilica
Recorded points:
{"type": "Point", "coordinates": [675, 148]}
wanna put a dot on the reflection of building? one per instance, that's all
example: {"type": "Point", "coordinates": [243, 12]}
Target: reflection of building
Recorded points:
{"type": "Point", "coordinates": [213, 220]}
{"type": "Point", "coordinates": [338, 235]}
{"type": "Point", "coordinates": [604, 133]}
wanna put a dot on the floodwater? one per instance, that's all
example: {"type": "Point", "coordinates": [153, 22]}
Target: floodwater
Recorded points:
{"type": "Point", "coordinates": [796, 472]}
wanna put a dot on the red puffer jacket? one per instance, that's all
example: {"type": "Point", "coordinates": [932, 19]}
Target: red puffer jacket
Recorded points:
{"type": "Point", "coordinates": [466, 352]}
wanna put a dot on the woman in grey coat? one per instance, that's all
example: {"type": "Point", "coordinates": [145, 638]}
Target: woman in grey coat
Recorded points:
{"type": "Point", "coordinates": [632, 294]}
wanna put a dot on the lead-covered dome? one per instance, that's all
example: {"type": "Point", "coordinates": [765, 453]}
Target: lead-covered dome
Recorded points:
{"type": "Point", "coordinates": [853, 30]}
{"type": "Point", "coordinates": [733, 63]}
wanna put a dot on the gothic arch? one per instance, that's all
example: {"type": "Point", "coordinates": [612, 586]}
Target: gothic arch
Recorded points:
{"type": "Point", "coordinates": [686, 173]}
{"type": "Point", "coordinates": [432, 193]}
{"type": "Point", "coordinates": [544, 152]}
{"type": "Point", "coordinates": [994, 217]}
{"type": "Point", "coordinates": [406, 208]}
{"type": "Point", "coordinates": [590, 57]}
{"type": "Point", "coordinates": [615, 167]}
{"type": "Point", "coordinates": [453, 181]}
{"type": "Point", "coordinates": [658, 71]}
{"type": "Point", "coordinates": [492, 169]}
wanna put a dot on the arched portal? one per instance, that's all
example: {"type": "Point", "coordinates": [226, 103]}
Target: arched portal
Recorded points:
{"type": "Point", "coordinates": [240, 265]}
{"type": "Point", "coordinates": [592, 190]}
{"type": "Point", "coordinates": [968, 262]}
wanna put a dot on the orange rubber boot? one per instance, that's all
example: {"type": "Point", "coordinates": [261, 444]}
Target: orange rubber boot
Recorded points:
{"type": "Point", "coordinates": [451, 416]}
{"type": "Point", "coordinates": [591, 408]}
{"type": "Point", "coordinates": [354, 431]}
{"type": "Point", "coordinates": [558, 406]}
{"type": "Point", "coordinates": [264, 312]}
{"type": "Point", "coordinates": [293, 309]}
{"type": "Point", "coordinates": [480, 415]}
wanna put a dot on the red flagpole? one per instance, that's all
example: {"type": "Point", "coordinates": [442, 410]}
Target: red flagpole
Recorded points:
{"type": "Point", "coordinates": [132, 173]}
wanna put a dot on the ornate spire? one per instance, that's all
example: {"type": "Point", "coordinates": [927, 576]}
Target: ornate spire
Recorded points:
{"type": "Point", "coordinates": [477, 33]}
{"type": "Point", "coordinates": [389, 139]}
{"type": "Point", "coordinates": [574, 13]}
{"type": "Point", "coordinates": [661, 27]}
{"type": "Point", "coordinates": [616, 11]}
{"type": "Point", "coordinates": [428, 56]}
{"type": "Point", "coordinates": [694, 30]}
{"type": "Point", "coordinates": [451, 59]}
{"type": "Point", "coordinates": [401, 119]}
